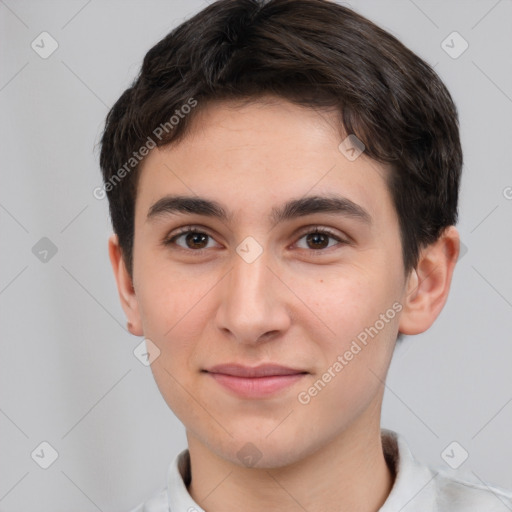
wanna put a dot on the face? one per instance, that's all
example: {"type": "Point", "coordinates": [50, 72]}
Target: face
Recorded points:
{"type": "Point", "coordinates": [315, 287]}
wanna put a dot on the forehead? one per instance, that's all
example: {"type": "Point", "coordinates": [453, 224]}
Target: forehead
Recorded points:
{"type": "Point", "coordinates": [254, 156]}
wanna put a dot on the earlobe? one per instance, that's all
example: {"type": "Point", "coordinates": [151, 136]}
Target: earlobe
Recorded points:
{"type": "Point", "coordinates": [125, 287]}
{"type": "Point", "coordinates": [429, 283]}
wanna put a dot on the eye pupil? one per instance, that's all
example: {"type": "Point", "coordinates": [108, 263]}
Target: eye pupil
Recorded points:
{"type": "Point", "coordinates": [197, 239]}
{"type": "Point", "coordinates": [316, 238]}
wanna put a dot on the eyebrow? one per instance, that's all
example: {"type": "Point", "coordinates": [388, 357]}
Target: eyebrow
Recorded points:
{"type": "Point", "coordinates": [176, 204]}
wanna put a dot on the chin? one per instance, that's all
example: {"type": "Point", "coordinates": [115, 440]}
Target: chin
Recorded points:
{"type": "Point", "coordinates": [261, 452]}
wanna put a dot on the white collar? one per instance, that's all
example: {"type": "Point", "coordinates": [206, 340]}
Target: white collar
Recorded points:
{"type": "Point", "coordinates": [412, 481]}
{"type": "Point", "coordinates": [417, 488]}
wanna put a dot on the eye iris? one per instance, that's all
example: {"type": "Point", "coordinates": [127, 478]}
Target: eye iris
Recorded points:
{"type": "Point", "coordinates": [317, 239]}
{"type": "Point", "coordinates": [197, 239]}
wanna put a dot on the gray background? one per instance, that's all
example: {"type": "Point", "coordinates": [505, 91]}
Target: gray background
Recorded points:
{"type": "Point", "coordinates": [68, 375]}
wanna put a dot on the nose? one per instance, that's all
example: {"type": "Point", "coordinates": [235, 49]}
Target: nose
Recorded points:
{"type": "Point", "coordinates": [253, 305]}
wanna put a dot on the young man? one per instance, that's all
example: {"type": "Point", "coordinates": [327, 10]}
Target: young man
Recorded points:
{"type": "Point", "coordinates": [283, 179]}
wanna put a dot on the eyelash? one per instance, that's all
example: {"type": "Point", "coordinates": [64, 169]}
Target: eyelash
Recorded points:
{"type": "Point", "coordinates": [199, 230]}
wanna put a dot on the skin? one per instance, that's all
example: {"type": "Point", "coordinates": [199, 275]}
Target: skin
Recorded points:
{"type": "Point", "coordinates": [296, 305]}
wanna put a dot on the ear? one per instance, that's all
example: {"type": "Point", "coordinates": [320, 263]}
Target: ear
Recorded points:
{"type": "Point", "coordinates": [429, 283]}
{"type": "Point", "coordinates": [125, 287]}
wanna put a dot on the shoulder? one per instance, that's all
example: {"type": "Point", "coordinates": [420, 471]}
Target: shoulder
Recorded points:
{"type": "Point", "coordinates": [455, 494]}
{"type": "Point", "coordinates": [421, 488]}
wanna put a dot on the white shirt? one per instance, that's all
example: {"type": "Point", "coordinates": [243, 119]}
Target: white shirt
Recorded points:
{"type": "Point", "coordinates": [417, 488]}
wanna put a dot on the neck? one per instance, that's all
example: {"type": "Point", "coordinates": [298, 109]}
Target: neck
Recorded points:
{"type": "Point", "coordinates": [349, 473]}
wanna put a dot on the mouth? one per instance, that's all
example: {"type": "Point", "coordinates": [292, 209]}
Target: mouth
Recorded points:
{"type": "Point", "coordinates": [255, 382]}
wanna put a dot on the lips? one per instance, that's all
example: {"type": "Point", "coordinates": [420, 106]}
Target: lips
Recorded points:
{"type": "Point", "coordinates": [265, 370]}
{"type": "Point", "coordinates": [260, 382]}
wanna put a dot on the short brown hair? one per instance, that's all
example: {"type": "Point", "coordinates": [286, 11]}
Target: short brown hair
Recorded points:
{"type": "Point", "coordinates": [312, 52]}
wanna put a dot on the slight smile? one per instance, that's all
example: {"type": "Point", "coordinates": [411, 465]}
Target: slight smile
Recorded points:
{"type": "Point", "coordinates": [255, 382]}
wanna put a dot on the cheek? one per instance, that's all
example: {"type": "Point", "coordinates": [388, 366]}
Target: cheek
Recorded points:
{"type": "Point", "coordinates": [360, 324]}
{"type": "Point", "coordinates": [173, 316]}
{"type": "Point", "coordinates": [344, 302]}
{"type": "Point", "coordinates": [169, 299]}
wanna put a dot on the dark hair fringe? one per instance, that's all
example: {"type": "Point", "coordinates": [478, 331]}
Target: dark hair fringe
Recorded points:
{"type": "Point", "coordinates": [315, 53]}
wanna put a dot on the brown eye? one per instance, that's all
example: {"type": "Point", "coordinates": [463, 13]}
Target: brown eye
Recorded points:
{"type": "Point", "coordinates": [317, 240]}
{"type": "Point", "coordinates": [196, 240]}
{"type": "Point", "coordinates": [320, 238]}
{"type": "Point", "coordinates": [190, 239]}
